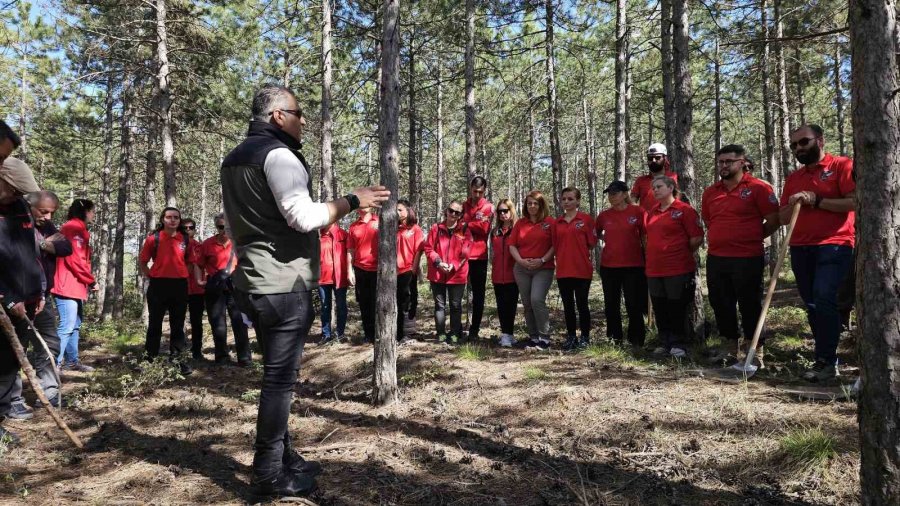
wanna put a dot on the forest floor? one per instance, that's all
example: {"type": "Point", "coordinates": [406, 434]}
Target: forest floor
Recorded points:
{"type": "Point", "coordinates": [475, 425]}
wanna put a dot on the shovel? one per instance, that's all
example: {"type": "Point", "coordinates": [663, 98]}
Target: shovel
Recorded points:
{"type": "Point", "coordinates": [746, 369]}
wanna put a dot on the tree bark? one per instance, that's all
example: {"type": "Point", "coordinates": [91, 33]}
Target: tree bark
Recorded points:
{"type": "Point", "coordinates": [621, 146]}
{"type": "Point", "coordinates": [798, 76]}
{"type": "Point", "coordinates": [768, 120]}
{"type": "Point", "coordinates": [876, 138]}
{"type": "Point", "coordinates": [23, 108]}
{"type": "Point", "coordinates": [556, 162]}
{"type": "Point", "coordinates": [531, 135]}
{"type": "Point", "coordinates": [839, 98]}
{"type": "Point", "coordinates": [471, 150]}
{"type": "Point", "coordinates": [327, 189]}
{"type": "Point", "coordinates": [665, 50]}
{"type": "Point", "coordinates": [105, 190]}
{"type": "Point", "coordinates": [413, 166]}
{"type": "Point", "coordinates": [784, 119]}
{"type": "Point", "coordinates": [125, 172]}
{"type": "Point", "coordinates": [439, 166]}
{"type": "Point", "coordinates": [164, 104]}
{"type": "Point", "coordinates": [718, 98]}
{"type": "Point", "coordinates": [389, 146]}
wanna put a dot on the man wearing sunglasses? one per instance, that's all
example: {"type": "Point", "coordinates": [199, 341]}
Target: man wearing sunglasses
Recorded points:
{"type": "Point", "coordinates": [477, 215]}
{"type": "Point", "coordinates": [658, 163]}
{"type": "Point", "coordinates": [823, 238]}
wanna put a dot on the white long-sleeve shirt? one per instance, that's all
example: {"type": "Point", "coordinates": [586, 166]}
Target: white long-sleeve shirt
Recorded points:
{"type": "Point", "coordinates": [289, 179]}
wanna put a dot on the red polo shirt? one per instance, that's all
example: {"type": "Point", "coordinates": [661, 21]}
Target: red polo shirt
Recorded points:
{"type": "Point", "coordinates": [643, 189]}
{"type": "Point", "coordinates": [621, 232]}
{"type": "Point", "coordinates": [478, 218]}
{"type": "Point", "coordinates": [668, 235]}
{"type": "Point", "coordinates": [170, 256]}
{"type": "Point", "coordinates": [832, 178]}
{"type": "Point", "coordinates": [333, 266]}
{"type": "Point", "coordinates": [533, 240]}
{"type": "Point", "coordinates": [409, 242]}
{"type": "Point", "coordinates": [214, 256]}
{"type": "Point", "coordinates": [502, 262]}
{"type": "Point", "coordinates": [574, 241]}
{"type": "Point", "coordinates": [735, 218]}
{"type": "Point", "coordinates": [194, 288]}
{"type": "Point", "coordinates": [363, 241]}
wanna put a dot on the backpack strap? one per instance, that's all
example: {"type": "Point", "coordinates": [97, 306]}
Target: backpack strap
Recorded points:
{"type": "Point", "coordinates": [230, 259]}
{"type": "Point", "coordinates": [155, 245]}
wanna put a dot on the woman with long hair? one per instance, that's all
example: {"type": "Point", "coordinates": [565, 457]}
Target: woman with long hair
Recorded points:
{"type": "Point", "coordinates": [506, 291]}
{"type": "Point", "coordinates": [574, 240]}
{"type": "Point", "coordinates": [447, 249]}
{"type": "Point", "coordinates": [409, 253]}
{"type": "Point", "coordinates": [363, 246]}
{"type": "Point", "coordinates": [196, 291]}
{"type": "Point", "coordinates": [334, 267]}
{"type": "Point", "coordinates": [72, 281]}
{"type": "Point", "coordinates": [531, 246]}
{"type": "Point", "coordinates": [169, 249]}
{"type": "Point", "coordinates": [673, 235]}
{"type": "Point", "coordinates": [621, 227]}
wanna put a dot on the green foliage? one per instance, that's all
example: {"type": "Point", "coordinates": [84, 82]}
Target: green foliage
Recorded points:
{"type": "Point", "coordinates": [134, 378]}
{"type": "Point", "coordinates": [612, 353]}
{"type": "Point", "coordinates": [807, 448]}
{"type": "Point", "coordinates": [533, 373]}
{"type": "Point", "coordinates": [120, 336]}
{"type": "Point", "coordinates": [251, 396]}
{"type": "Point", "coordinates": [473, 352]}
{"type": "Point", "coordinates": [423, 375]}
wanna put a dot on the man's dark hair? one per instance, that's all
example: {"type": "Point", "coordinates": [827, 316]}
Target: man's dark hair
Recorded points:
{"type": "Point", "coordinates": [7, 133]}
{"type": "Point", "coordinates": [478, 182]}
{"type": "Point", "coordinates": [79, 209]}
{"type": "Point", "coordinates": [737, 149]}
{"type": "Point", "coordinates": [268, 99]}
{"type": "Point", "coordinates": [816, 129]}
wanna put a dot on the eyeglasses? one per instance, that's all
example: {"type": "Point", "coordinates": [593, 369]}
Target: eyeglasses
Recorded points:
{"type": "Point", "coordinates": [220, 227]}
{"type": "Point", "coordinates": [654, 158]}
{"type": "Point", "coordinates": [725, 163]}
{"type": "Point", "coordinates": [295, 112]}
{"type": "Point", "coordinates": [502, 211]}
{"type": "Point", "coordinates": [802, 142]}
{"type": "Point", "coordinates": [189, 227]}
{"type": "Point", "coordinates": [454, 212]}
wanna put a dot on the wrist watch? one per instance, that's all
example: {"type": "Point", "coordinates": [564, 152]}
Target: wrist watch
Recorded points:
{"type": "Point", "coordinates": [353, 200]}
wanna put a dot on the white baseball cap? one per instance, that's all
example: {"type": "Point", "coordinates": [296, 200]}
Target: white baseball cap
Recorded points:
{"type": "Point", "coordinates": [657, 149]}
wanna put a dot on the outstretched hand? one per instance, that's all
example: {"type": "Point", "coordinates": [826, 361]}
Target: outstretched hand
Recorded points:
{"type": "Point", "coordinates": [372, 196]}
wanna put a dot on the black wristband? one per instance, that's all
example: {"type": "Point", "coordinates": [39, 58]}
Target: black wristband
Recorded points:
{"type": "Point", "coordinates": [818, 201]}
{"type": "Point", "coordinates": [353, 200]}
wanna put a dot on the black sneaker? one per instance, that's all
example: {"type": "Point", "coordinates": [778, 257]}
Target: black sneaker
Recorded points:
{"type": "Point", "coordinates": [528, 342]}
{"type": "Point", "coordinates": [326, 340]}
{"type": "Point", "coordinates": [584, 342]}
{"type": "Point", "coordinates": [297, 464]}
{"type": "Point", "coordinates": [20, 411]}
{"type": "Point", "coordinates": [541, 344]}
{"type": "Point", "coordinates": [8, 438]}
{"type": "Point", "coordinates": [54, 401]}
{"type": "Point", "coordinates": [185, 369]}
{"type": "Point", "coordinates": [286, 484]}
{"type": "Point", "coordinates": [571, 343]}
{"type": "Point", "coordinates": [821, 371]}
{"type": "Point", "coordinates": [244, 363]}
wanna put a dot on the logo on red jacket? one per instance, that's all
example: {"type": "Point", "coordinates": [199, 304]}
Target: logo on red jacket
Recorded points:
{"type": "Point", "coordinates": [745, 193]}
{"type": "Point", "coordinates": [632, 220]}
{"type": "Point", "coordinates": [545, 226]}
{"type": "Point", "coordinates": [825, 175]}
{"type": "Point", "coordinates": [480, 216]}
{"type": "Point", "coordinates": [181, 246]}
{"type": "Point", "coordinates": [80, 241]}
{"type": "Point", "coordinates": [579, 225]}
{"type": "Point", "coordinates": [677, 214]}
{"type": "Point", "coordinates": [373, 225]}
{"type": "Point", "coordinates": [409, 233]}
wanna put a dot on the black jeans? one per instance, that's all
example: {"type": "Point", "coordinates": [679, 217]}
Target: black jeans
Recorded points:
{"type": "Point", "coordinates": [507, 295]}
{"type": "Point", "coordinates": [217, 304]}
{"type": "Point", "coordinates": [282, 323]}
{"type": "Point", "coordinates": [46, 322]}
{"type": "Point", "coordinates": [735, 283]}
{"type": "Point", "coordinates": [195, 310]}
{"type": "Point", "coordinates": [413, 297]}
{"type": "Point", "coordinates": [166, 294]}
{"type": "Point", "coordinates": [671, 296]}
{"type": "Point", "coordinates": [574, 293]}
{"type": "Point", "coordinates": [447, 295]}
{"type": "Point", "coordinates": [402, 300]}
{"type": "Point", "coordinates": [477, 282]}
{"type": "Point", "coordinates": [366, 293]}
{"type": "Point", "coordinates": [632, 282]}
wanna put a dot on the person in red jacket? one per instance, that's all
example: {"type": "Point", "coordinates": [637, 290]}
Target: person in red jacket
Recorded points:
{"type": "Point", "coordinates": [167, 247]}
{"type": "Point", "coordinates": [574, 239]}
{"type": "Point", "coordinates": [72, 282]}
{"type": "Point", "coordinates": [673, 235]}
{"type": "Point", "coordinates": [409, 254]}
{"type": "Point", "coordinates": [477, 215]}
{"type": "Point", "coordinates": [622, 264]}
{"type": "Point", "coordinates": [334, 265]}
{"type": "Point", "coordinates": [531, 245]}
{"type": "Point", "coordinates": [658, 163]}
{"type": "Point", "coordinates": [506, 291]}
{"type": "Point", "coordinates": [196, 291]}
{"type": "Point", "coordinates": [363, 246]}
{"type": "Point", "coordinates": [447, 249]}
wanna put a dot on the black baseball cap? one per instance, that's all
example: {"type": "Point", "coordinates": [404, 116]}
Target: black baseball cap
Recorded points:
{"type": "Point", "coordinates": [616, 187]}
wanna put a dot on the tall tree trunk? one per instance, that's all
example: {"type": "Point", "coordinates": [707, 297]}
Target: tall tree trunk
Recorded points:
{"type": "Point", "coordinates": [798, 76]}
{"type": "Point", "coordinates": [839, 98]}
{"type": "Point", "coordinates": [471, 150]}
{"type": "Point", "coordinates": [621, 146]}
{"type": "Point", "coordinates": [683, 152]}
{"type": "Point", "coordinates": [201, 218]}
{"type": "Point", "coordinates": [413, 126]}
{"type": "Point", "coordinates": [768, 120]}
{"type": "Point", "coordinates": [105, 190]}
{"type": "Point", "coordinates": [389, 146]}
{"type": "Point", "coordinates": [439, 166]}
{"type": "Point", "coordinates": [23, 109]}
{"type": "Point", "coordinates": [326, 188]}
{"type": "Point", "coordinates": [784, 119]}
{"type": "Point", "coordinates": [164, 104]}
{"type": "Point", "coordinates": [115, 290]}
{"type": "Point", "coordinates": [553, 108]}
{"type": "Point", "coordinates": [531, 141]}
{"type": "Point", "coordinates": [876, 138]}
{"type": "Point", "coordinates": [665, 50]}
{"type": "Point", "coordinates": [718, 98]}
{"type": "Point", "coordinates": [149, 195]}
{"type": "Point", "coordinates": [590, 170]}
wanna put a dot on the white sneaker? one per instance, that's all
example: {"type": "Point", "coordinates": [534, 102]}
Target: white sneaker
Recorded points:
{"type": "Point", "coordinates": [677, 352]}
{"type": "Point", "coordinates": [506, 340]}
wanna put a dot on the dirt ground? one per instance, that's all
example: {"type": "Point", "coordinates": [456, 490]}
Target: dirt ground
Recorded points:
{"type": "Point", "coordinates": [482, 426]}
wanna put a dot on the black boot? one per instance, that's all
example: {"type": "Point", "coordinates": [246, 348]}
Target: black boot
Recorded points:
{"type": "Point", "coordinates": [287, 484]}
{"type": "Point", "coordinates": [571, 343]}
{"type": "Point", "coordinates": [584, 342]}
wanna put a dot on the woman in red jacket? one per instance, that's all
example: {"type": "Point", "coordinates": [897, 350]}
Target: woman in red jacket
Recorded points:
{"type": "Point", "coordinates": [447, 249]}
{"type": "Point", "coordinates": [505, 289]}
{"type": "Point", "coordinates": [574, 240]}
{"type": "Point", "coordinates": [72, 281]}
{"type": "Point", "coordinates": [196, 291]}
{"type": "Point", "coordinates": [334, 264]}
{"type": "Point", "coordinates": [531, 245]}
{"type": "Point", "coordinates": [673, 235]}
{"type": "Point", "coordinates": [168, 248]}
{"type": "Point", "coordinates": [409, 253]}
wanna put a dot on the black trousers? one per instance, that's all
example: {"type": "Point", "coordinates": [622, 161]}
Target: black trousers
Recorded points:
{"type": "Point", "coordinates": [448, 297]}
{"type": "Point", "coordinates": [477, 282]}
{"type": "Point", "coordinates": [632, 283]}
{"type": "Point", "coordinates": [413, 297]}
{"type": "Point", "coordinates": [366, 293]}
{"type": "Point", "coordinates": [671, 296]}
{"type": "Point", "coordinates": [507, 295]}
{"type": "Point", "coordinates": [217, 305]}
{"type": "Point", "coordinates": [10, 385]}
{"type": "Point", "coordinates": [282, 323]}
{"type": "Point", "coordinates": [403, 283]}
{"type": "Point", "coordinates": [735, 283]}
{"type": "Point", "coordinates": [166, 295]}
{"type": "Point", "coordinates": [195, 310]}
{"type": "Point", "coordinates": [574, 293]}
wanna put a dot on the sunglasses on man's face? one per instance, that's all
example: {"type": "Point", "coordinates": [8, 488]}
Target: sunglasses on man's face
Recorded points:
{"type": "Point", "coordinates": [802, 142]}
{"type": "Point", "coordinates": [220, 227]}
{"type": "Point", "coordinates": [503, 211]}
{"type": "Point", "coordinates": [189, 227]}
{"type": "Point", "coordinates": [454, 212]}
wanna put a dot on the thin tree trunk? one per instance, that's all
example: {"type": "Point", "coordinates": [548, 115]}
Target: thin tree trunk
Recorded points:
{"type": "Point", "coordinates": [531, 135]}
{"type": "Point", "coordinates": [164, 104]}
{"type": "Point", "coordinates": [768, 120]}
{"type": "Point", "coordinates": [839, 98]}
{"type": "Point", "coordinates": [389, 146]}
{"type": "Point", "coordinates": [149, 196]}
{"type": "Point", "coordinates": [784, 120]}
{"type": "Point", "coordinates": [23, 110]}
{"type": "Point", "coordinates": [471, 150]}
{"type": "Point", "coordinates": [439, 166]}
{"type": "Point", "coordinates": [665, 49]}
{"type": "Point", "coordinates": [798, 75]}
{"type": "Point", "coordinates": [327, 183]}
{"type": "Point", "coordinates": [590, 170]}
{"type": "Point", "coordinates": [201, 219]}
{"type": "Point", "coordinates": [552, 108]}
{"type": "Point", "coordinates": [621, 146]}
{"type": "Point", "coordinates": [413, 194]}
{"type": "Point", "coordinates": [105, 190]}
{"type": "Point", "coordinates": [718, 98]}
{"type": "Point", "coordinates": [876, 137]}
{"type": "Point", "coordinates": [116, 289]}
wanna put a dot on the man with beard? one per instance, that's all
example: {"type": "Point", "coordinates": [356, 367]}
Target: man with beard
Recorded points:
{"type": "Point", "coordinates": [739, 211]}
{"type": "Point", "coordinates": [658, 163]}
{"type": "Point", "coordinates": [823, 238]}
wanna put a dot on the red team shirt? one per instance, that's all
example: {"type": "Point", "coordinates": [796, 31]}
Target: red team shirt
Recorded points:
{"type": "Point", "coordinates": [213, 257]}
{"type": "Point", "coordinates": [193, 287]}
{"type": "Point", "coordinates": [170, 256]}
{"type": "Point", "coordinates": [409, 242]}
{"type": "Point", "coordinates": [734, 218]}
{"type": "Point", "coordinates": [478, 218]}
{"type": "Point", "coordinates": [668, 235]}
{"type": "Point", "coordinates": [621, 232]}
{"type": "Point", "coordinates": [643, 189]}
{"type": "Point", "coordinates": [333, 266]}
{"type": "Point", "coordinates": [451, 247]}
{"type": "Point", "coordinates": [832, 178]}
{"type": "Point", "coordinates": [574, 241]}
{"type": "Point", "coordinates": [364, 243]}
{"type": "Point", "coordinates": [533, 239]}
{"type": "Point", "coordinates": [502, 263]}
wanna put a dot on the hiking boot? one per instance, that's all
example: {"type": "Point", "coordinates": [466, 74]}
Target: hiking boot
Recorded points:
{"type": "Point", "coordinates": [20, 411]}
{"type": "Point", "coordinates": [660, 351]}
{"type": "Point", "coordinates": [506, 341]}
{"type": "Point", "coordinates": [820, 371]}
{"type": "Point", "coordinates": [326, 340]}
{"type": "Point", "coordinates": [541, 344]}
{"type": "Point", "coordinates": [584, 342]}
{"type": "Point", "coordinates": [287, 484]}
{"type": "Point", "coordinates": [79, 367]}
{"type": "Point", "coordinates": [244, 363]}
{"type": "Point", "coordinates": [185, 369]}
{"type": "Point", "coordinates": [677, 352]}
{"type": "Point", "coordinates": [8, 438]}
{"type": "Point", "coordinates": [528, 342]}
{"type": "Point", "coordinates": [54, 401]}
{"type": "Point", "coordinates": [297, 464]}
{"type": "Point", "coordinates": [571, 343]}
